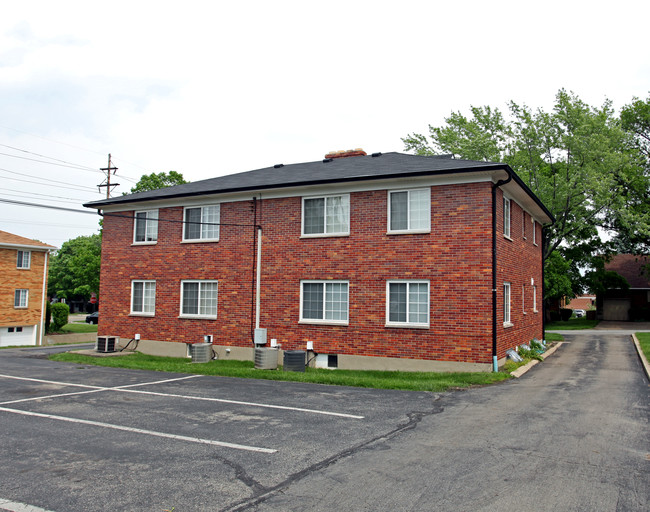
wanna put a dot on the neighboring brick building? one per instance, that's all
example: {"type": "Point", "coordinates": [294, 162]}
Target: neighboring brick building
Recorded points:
{"type": "Point", "coordinates": [632, 304]}
{"type": "Point", "coordinates": [382, 261]}
{"type": "Point", "coordinates": [23, 282]}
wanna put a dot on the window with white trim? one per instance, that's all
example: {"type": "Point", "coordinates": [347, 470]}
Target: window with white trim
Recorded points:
{"type": "Point", "coordinates": [324, 302]}
{"type": "Point", "coordinates": [407, 303]}
{"type": "Point", "coordinates": [409, 211]}
{"type": "Point", "coordinates": [143, 297]}
{"type": "Point", "coordinates": [21, 298]}
{"type": "Point", "coordinates": [506, 304]}
{"type": "Point", "coordinates": [199, 299]}
{"type": "Point", "coordinates": [23, 259]}
{"type": "Point", "coordinates": [506, 217]}
{"type": "Point", "coordinates": [523, 224]}
{"type": "Point", "coordinates": [325, 216]}
{"type": "Point", "coordinates": [202, 223]}
{"type": "Point", "coordinates": [523, 298]}
{"type": "Point", "coordinates": [145, 227]}
{"type": "Point", "coordinates": [535, 298]}
{"type": "Point", "coordinates": [534, 232]}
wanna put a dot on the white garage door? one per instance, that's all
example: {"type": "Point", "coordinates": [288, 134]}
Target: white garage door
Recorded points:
{"type": "Point", "coordinates": [616, 309]}
{"type": "Point", "coordinates": [25, 335]}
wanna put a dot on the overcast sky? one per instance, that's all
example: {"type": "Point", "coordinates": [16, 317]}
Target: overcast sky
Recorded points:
{"type": "Point", "coordinates": [209, 88]}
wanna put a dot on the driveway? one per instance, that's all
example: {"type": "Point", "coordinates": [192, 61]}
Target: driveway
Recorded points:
{"type": "Point", "coordinates": [571, 434]}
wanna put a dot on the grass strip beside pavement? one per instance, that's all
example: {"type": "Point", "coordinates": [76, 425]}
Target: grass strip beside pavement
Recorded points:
{"type": "Point", "coordinates": [644, 342]}
{"type": "Point", "coordinates": [411, 381]}
{"type": "Point", "coordinates": [78, 328]}
{"type": "Point", "coordinates": [573, 324]}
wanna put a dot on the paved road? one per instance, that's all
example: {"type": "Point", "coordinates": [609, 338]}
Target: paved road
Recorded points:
{"type": "Point", "coordinates": [572, 434]}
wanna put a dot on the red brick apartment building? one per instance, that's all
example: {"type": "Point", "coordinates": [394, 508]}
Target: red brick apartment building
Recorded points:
{"type": "Point", "coordinates": [384, 261]}
{"type": "Point", "coordinates": [23, 285]}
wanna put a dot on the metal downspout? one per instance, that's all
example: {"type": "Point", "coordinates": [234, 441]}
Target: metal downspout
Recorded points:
{"type": "Point", "coordinates": [495, 186]}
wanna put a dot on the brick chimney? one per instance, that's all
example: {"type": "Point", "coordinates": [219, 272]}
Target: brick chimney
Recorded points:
{"type": "Point", "coordinates": [346, 153]}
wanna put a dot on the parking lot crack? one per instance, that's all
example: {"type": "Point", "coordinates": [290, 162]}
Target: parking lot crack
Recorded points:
{"type": "Point", "coordinates": [262, 494]}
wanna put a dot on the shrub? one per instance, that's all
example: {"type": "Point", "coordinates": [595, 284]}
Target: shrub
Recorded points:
{"type": "Point", "coordinates": [566, 314]}
{"type": "Point", "coordinates": [60, 314]}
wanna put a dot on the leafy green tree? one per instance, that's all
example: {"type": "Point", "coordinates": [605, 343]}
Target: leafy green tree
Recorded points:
{"type": "Point", "coordinates": [632, 226]}
{"type": "Point", "coordinates": [155, 181]}
{"type": "Point", "coordinates": [74, 269]}
{"type": "Point", "coordinates": [579, 160]}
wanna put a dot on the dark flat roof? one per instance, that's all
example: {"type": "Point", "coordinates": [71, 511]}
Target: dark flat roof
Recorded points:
{"type": "Point", "coordinates": [337, 170]}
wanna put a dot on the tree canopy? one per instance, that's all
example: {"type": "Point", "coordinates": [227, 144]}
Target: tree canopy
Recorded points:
{"type": "Point", "coordinates": [586, 165]}
{"type": "Point", "coordinates": [74, 269]}
{"type": "Point", "coordinates": [155, 181]}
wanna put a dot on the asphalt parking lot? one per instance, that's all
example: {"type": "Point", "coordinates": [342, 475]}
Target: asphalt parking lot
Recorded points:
{"type": "Point", "coordinates": [81, 438]}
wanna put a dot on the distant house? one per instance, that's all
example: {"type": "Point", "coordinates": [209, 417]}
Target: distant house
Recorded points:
{"type": "Point", "coordinates": [634, 303]}
{"type": "Point", "coordinates": [385, 261]}
{"type": "Point", "coordinates": [23, 285]}
{"type": "Point", "coordinates": [585, 302]}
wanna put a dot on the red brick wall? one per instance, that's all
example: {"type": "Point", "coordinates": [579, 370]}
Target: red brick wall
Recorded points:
{"type": "Point", "coordinates": [455, 257]}
{"type": "Point", "coordinates": [518, 261]}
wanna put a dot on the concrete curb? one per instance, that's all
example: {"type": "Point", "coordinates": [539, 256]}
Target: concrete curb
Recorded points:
{"type": "Point", "coordinates": [523, 369]}
{"type": "Point", "coordinates": [644, 360]}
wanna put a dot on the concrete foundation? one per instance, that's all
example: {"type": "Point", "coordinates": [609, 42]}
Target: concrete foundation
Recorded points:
{"type": "Point", "coordinates": [345, 362]}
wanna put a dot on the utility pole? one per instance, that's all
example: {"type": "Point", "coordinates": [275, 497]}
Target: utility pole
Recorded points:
{"type": "Point", "coordinates": [107, 182]}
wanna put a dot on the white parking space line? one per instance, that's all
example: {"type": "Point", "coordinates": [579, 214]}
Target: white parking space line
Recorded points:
{"type": "Point", "coordinates": [15, 506]}
{"type": "Point", "coordinates": [123, 389]}
{"type": "Point", "coordinates": [141, 431]}
{"type": "Point", "coordinates": [250, 404]}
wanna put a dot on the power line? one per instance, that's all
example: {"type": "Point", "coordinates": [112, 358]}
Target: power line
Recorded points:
{"type": "Point", "coordinates": [44, 195]}
{"type": "Point", "coordinates": [36, 205]}
{"type": "Point", "coordinates": [49, 157]}
{"type": "Point", "coordinates": [74, 187]}
{"type": "Point", "coordinates": [31, 196]}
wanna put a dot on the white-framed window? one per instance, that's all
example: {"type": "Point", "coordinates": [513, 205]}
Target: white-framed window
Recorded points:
{"type": "Point", "coordinates": [324, 302]}
{"type": "Point", "coordinates": [202, 223]}
{"type": "Point", "coordinates": [326, 215]}
{"type": "Point", "coordinates": [534, 232]}
{"type": "Point", "coordinates": [23, 259]}
{"type": "Point", "coordinates": [145, 227]}
{"type": "Point", "coordinates": [506, 217]}
{"type": "Point", "coordinates": [143, 298]}
{"type": "Point", "coordinates": [21, 298]}
{"type": "Point", "coordinates": [523, 298]}
{"type": "Point", "coordinates": [409, 211]}
{"type": "Point", "coordinates": [199, 299]}
{"type": "Point", "coordinates": [535, 298]}
{"type": "Point", "coordinates": [506, 305]}
{"type": "Point", "coordinates": [407, 303]}
{"type": "Point", "coordinates": [523, 224]}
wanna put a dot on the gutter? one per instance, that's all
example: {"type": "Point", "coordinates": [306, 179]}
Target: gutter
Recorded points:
{"type": "Point", "coordinates": [41, 328]}
{"type": "Point", "coordinates": [495, 186]}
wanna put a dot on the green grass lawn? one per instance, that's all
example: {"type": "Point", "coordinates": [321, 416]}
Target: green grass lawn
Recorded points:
{"type": "Point", "coordinates": [78, 327]}
{"type": "Point", "coordinates": [553, 336]}
{"type": "Point", "coordinates": [644, 341]}
{"type": "Point", "coordinates": [413, 381]}
{"type": "Point", "coordinates": [573, 324]}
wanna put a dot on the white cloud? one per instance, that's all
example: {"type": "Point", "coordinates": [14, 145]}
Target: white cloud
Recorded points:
{"type": "Point", "coordinates": [211, 88]}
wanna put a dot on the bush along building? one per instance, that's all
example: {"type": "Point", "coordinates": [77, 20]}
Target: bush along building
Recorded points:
{"type": "Point", "coordinates": [382, 261]}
